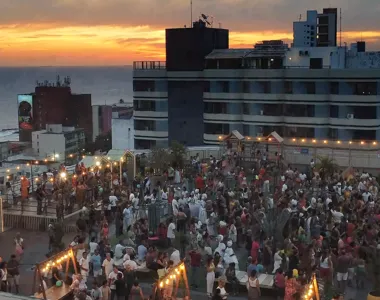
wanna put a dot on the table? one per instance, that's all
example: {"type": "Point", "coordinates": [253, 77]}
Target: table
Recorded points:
{"type": "Point", "coordinates": [55, 293]}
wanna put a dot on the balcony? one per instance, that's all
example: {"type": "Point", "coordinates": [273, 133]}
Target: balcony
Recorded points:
{"type": "Point", "coordinates": [149, 65]}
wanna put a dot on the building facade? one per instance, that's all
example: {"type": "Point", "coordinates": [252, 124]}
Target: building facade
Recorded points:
{"type": "Point", "coordinates": [318, 30]}
{"type": "Point", "coordinates": [300, 92]}
{"type": "Point", "coordinates": [168, 96]}
{"type": "Point", "coordinates": [101, 120]}
{"type": "Point", "coordinates": [123, 131]}
{"type": "Point", "coordinates": [58, 142]}
{"type": "Point", "coordinates": [53, 103]}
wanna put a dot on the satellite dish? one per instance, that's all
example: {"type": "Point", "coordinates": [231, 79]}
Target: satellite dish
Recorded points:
{"type": "Point", "coordinates": [204, 17]}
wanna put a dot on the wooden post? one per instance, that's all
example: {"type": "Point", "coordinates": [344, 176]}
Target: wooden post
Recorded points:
{"type": "Point", "coordinates": [316, 289]}
{"type": "Point", "coordinates": [71, 253]}
{"type": "Point", "coordinates": [67, 269]}
{"type": "Point", "coordinates": [186, 281]}
{"type": "Point", "coordinates": [42, 281]}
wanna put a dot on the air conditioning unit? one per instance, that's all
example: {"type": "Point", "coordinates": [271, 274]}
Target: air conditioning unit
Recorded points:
{"type": "Point", "coordinates": [350, 116]}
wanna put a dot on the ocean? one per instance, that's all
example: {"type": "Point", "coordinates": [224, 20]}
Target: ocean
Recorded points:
{"type": "Point", "coordinates": [107, 85]}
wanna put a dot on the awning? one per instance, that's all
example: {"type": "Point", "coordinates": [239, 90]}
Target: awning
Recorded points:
{"type": "Point", "coordinates": [234, 134]}
{"type": "Point", "coordinates": [276, 136]}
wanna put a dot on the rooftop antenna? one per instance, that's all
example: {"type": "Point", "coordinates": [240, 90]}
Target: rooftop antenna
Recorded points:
{"type": "Point", "coordinates": [205, 19]}
{"type": "Point", "coordinates": [191, 13]}
{"type": "Point", "coordinates": [340, 29]}
{"type": "Point", "coordinates": [300, 18]}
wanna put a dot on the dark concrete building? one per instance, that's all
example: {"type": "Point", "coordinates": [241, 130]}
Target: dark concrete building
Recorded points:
{"type": "Point", "coordinates": [168, 96]}
{"type": "Point", "coordinates": [53, 104]}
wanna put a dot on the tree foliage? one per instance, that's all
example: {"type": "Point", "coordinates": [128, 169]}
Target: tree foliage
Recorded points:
{"type": "Point", "coordinates": [178, 154]}
{"type": "Point", "coordinates": [326, 166]}
{"type": "Point", "coordinates": [103, 142]}
{"type": "Point", "coordinates": [159, 159]}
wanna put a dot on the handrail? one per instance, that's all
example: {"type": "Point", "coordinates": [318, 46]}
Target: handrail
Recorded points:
{"type": "Point", "coordinates": [149, 65]}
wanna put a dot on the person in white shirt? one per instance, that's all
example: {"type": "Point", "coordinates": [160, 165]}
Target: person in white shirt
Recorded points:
{"type": "Point", "coordinates": [337, 216]}
{"type": "Point", "coordinates": [113, 202]}
{"type": "Point", "coordinates": [366, 195]}
{"type": "Point", "coordinates": [119, 250]}
{"type": "Point", "coordinates": [112, 278]}
{"type": "Point", "coordinates": [108, 264]}
{"type": "Point", "coordinates": [93, 246]}
{"type": "Point", "coordinates": [175, 257]}
{"type": "Point", "coordinates": [84, 266]}
{"type": "Point", "coordinates": [171, 233]}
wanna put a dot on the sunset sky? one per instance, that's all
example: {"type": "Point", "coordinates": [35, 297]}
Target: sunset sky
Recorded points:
{"type": "Point", "coordinates": [117, 32]}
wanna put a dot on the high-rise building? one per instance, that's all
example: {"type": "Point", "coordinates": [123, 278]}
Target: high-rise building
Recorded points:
{"type": "Point", "coordinates": [53, 104]}
{"type": "Point", "coordinates": [101, 120]}
{"type": "Point", "coordinates": [300, 92]}
{"type": "Point", "coordinates": [318, 30]}
{"type": "Point", "coordinates": [168, 98]}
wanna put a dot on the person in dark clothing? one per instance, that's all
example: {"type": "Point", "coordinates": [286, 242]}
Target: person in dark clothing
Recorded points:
{"type": "Point", "coordinates": [39, 197]}
{"type": "Point", "coordinates": [120, 287]}
{"type": "Point", "coordinates": [129, 279]}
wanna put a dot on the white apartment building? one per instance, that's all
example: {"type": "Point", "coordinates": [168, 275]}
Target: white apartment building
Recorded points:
{"type": "Point", "coordinates": [123, 130]}
{"type": "Point", "coordinates": [58, 141]}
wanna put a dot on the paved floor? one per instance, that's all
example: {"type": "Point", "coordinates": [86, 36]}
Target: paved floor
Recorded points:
{"type": "Point", "coordinates": [37, 246]}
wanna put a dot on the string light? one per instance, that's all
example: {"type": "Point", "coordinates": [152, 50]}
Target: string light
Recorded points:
{"type": "Point", "coordinates": [361, 143]}
{"type": "Point", "coordinates": [293, 140]}
{"type": "Point", "coordinates": [338, 142]}
{"type": "Point", "coordinates": [374, 143]}
{"type": "Point", "coordinates": [303, 140]}
{"type": "Point", "coordinates": [314, 141]}
{"type": "Point", "coordinates": [270, 139]}
{"type": "Point", "coordinates": [45, 160]}
{"type": "Point", "coordinates": [171, 275]}
{"type": "Point", "coordinates": [18, 168]}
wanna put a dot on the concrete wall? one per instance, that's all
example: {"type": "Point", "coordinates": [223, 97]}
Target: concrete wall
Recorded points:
{"type": "Point", "coordinates": [50, 144]}
{"type": "Point", "coordinates": [123, 134]}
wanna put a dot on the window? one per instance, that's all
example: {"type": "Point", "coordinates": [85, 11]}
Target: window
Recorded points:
{"type": "Point", "coordinates": [266, 86]}
{"type": "Point", "coordinates": [334, 88]}
{"type": "Point", "coordinates": [310, 87]}
{"type": "Point", "coordinates": [334, 111]}
{"type": "Point", "coordinates": [246, 87]}
{"type": "Point", "coordinates": [365, 88]}
{"type": "Point", "coordinates": [316, 63]}
{"type": "Point", "coordinates": [246, 130]}
{"type": "Point", "coordinates": [245, 108]}
{"type": "Point", "coordinates": [364, 112]}
{"type": "Point", "coordinates": [299, 132]}
{"type": "Point", "coordinates": [333, 133]}
{"type": "Point", "coordinates": [145, 125]}
{"type": "Point", "coordinates": [215, 107]}
{"type": "Point", "coordinates": [206, 86]}
{"type": "Point", "coordinates": [143, 86]}
{"type": "Point", "coordinates": [299, 110]}
{"type": "Point", "coordinates": [142, 105]}
{"type": "Point", "coordinates": [217, 128]}
{"type": "Point", "coordinates": [144, 144]}
{"type": "Point", "coordinates": [223, 86]}
{"type": "Point", "coordinates": [288, 87]}
{"type": "Point", "coordinates": [272, 110]}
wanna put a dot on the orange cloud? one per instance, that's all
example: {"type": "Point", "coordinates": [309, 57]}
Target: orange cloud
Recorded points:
{"type": "Point", "coordinates": [51, 44]}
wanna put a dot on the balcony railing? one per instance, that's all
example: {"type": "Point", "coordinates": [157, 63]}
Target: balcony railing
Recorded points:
{"type": "Point", "coordinates": [149, 65]}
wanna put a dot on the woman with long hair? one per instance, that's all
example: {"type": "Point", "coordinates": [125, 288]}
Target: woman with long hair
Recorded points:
{"type": "Point", "coordinates": [253, 286]}
{"type": "Point", "coordinates": [210, 277]}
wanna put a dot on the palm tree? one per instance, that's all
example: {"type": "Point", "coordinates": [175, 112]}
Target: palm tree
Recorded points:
{"type": "Point", "coordinates": [326, 166]}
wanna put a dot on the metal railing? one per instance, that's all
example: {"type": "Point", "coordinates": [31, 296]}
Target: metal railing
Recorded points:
{"type": "Point", "coordinates": [149, 65]}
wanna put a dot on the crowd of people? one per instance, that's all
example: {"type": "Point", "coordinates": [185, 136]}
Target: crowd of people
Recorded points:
{"type": "Point", "coordinates": [294, 225]}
